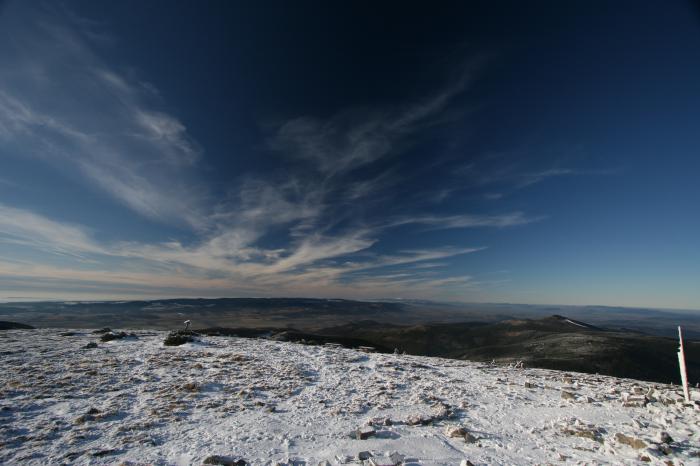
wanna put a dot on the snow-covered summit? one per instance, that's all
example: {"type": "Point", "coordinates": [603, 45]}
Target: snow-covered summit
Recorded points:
{"type": "Point", "coordinates": [134, 401]}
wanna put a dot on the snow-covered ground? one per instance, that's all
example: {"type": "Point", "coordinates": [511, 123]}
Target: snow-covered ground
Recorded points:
{"type": "Point", "coordinates": [134, 401]}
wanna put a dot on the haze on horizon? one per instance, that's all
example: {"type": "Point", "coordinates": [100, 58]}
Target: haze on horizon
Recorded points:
{"type": "Point", "coordinates": [523, 152]}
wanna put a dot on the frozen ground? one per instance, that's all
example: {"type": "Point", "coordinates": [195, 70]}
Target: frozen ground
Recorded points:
{"type": "Point", "coordinates": [134, 401]}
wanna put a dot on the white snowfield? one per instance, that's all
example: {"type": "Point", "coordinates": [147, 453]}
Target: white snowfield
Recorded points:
{"type": "Point", "coordinates": [136, 402]}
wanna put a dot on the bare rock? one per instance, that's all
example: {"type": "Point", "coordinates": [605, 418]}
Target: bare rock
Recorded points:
{"type": "Point", "coordinates": [380, 421]}
{"type": "Point", "coordinates": [363, 433]}
{"type": "Point", "coordinates": [191, 386]}
{"type": "Point", "coordinates": [179, 337]}
{"type": "Point", "coordinates": [100, 453]}
{"type": "Point", "coordinates": [455, 431]}
{"type": "Point", "coordinates": [664, 437]}
{"type": "Point", "coordinates": [113, 336]}
{"type": "Point", "coordinates": [665, 448]}
{"type": "Point", "coordinates": [396, 458]}
{"type": "Point", "coordinates": [224, 460]}
{"type": "Point", "coordinates": [415, 420]}
{"type": "Point", "coordinates": [630, 441]}
{"type": "Point", "coordinates": [589, 432]}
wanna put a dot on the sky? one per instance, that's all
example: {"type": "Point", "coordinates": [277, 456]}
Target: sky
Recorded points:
{"type": "Point", "coordinates": [522, 152]}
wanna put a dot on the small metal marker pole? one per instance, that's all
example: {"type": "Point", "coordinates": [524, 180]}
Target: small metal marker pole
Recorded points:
{"type": "Point", "coordinates": [681, 363]}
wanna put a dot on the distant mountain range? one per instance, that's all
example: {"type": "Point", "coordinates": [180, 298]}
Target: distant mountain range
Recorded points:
{"type": "Point", "coordinates": [634, 343]}
{"type": "Point", "coordinates": [310, 313]}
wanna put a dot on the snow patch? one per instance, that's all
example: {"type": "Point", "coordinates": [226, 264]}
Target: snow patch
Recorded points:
{"type": "Point", "coordinates": [136, 401]}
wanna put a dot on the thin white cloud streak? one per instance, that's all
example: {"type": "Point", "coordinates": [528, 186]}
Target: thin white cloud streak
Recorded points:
{"type": "Point", "coordinates": [25, 228]}
{"type": "Point", "coordinates": [528, 179]}
{"type": "Point", "coordinates": [509, 178]}
{"type": "Point", "coordinates": [467, 221]}
{"type": "Point", "coordinates": [352, 139]}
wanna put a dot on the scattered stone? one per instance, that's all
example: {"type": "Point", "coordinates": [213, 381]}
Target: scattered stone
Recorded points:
{"type": "Point", "coordinates": [363, 433]}
{"type": "Point", "coordinates": [466, 463]}
{"type": "Point", "coordinates": [224, 460]}
{"type": "Point", "coordinates": [396, 458]}
{"type": "Point", "coordinates": [665, 448]}
{"type": "Point", "coordinates": [529, 385]}
{"type": "Point", "coordinates": [380, 421]}
{"type": "Point", "coordinates": [415, 420]}
{"type": "Point", "coordinates": [364, 455]}
{"type": "Point", "coordinates": [567, 395]}
{"type": "Point", "coordinates": [68, 334]}
{"type": "Point", "coordinates": [442, 411]}
{"type": "Point", "coordinates": [645, 458]}
{"type": "Point", "coordinates": [83, 419]}
{"type": "Point", "coordinates": [630, 441]}
{"type": "Point", "coordinates": [100, 453]}
{"type": "Point", "coordinates": [191, 386]}
{"type": "Point", "coordinates": [455, 431]}
{"type": "Point", "coordinates": [90, 345]}
{"type": "Point", "coordinates": [71, 455]}
{"type": "Point", "coordinates": [588, 432]}
{"type": "Point", "coordinates": [664, 437]}
{"type": "Point", "coordinates": [93, 411]}
{"type": "Point", "coordinates": [103, 330]}
{"type": "Point", "coordinates": [469, 438]}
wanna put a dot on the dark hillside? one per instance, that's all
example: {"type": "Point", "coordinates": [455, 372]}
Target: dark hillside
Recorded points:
{"type": "Point", "coordinates": [554, 342]}
{"type": "Point", "coordinates": [5, 325]}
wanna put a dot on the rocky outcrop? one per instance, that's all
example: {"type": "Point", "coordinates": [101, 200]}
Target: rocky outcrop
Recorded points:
{"type": "Point", "coordinates": [224, 460]}
{"type": "Point", "coordinates": [113, 336]}
{"type": "Point", "coordinates": [179, 337]}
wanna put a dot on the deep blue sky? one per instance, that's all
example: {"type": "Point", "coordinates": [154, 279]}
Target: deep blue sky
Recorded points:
{"type": "Point", "coordinates": [531, 152]}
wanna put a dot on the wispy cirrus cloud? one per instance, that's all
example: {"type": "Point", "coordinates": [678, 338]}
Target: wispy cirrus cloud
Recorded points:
{"type": "Point", "coordinates": [314, 224]}
{"type": "Point", "coordinates": [60, 102]}
{"type": "Point", "coordinates": [22, 227]}
{"type": "Point", "coordinates": [219, 263]}
{"type": "Point", "coordinates": [355, 138]}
